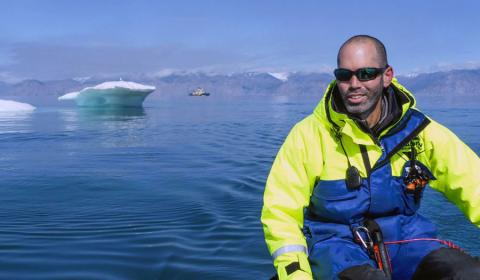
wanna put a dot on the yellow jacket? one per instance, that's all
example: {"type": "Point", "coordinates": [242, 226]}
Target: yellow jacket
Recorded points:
{"type": "Point", "coordinates": [301, 161]}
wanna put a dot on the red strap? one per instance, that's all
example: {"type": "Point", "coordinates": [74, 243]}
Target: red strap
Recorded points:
{"type": "Point", "coordinates": [444, 242]}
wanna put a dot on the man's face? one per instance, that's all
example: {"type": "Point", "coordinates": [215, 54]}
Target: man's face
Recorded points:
{"type": "Point", "coordinates": [359, 97]}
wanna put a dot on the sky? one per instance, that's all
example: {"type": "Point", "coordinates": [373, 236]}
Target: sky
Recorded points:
{"type": "Point", "coordinates": [50, 40]}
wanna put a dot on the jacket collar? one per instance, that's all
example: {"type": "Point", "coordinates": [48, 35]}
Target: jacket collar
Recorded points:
{"type": "Point", "coordinates": [340, 122]}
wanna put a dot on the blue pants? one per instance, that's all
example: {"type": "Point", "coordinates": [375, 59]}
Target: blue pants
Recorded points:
{"type": "Point", "coordinates": [332, 249]}
{"type": "Point", "coordinates": [444, 263]}
{"type": "Point", "coordinates": [330, 257]}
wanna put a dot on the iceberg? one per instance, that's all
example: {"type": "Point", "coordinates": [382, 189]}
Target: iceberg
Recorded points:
{"type": "Point", "coordinates": [14, 106]}
{"type": "Point", "coordinates": [111, 94]}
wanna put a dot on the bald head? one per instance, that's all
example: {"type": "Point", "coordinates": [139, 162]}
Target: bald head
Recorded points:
{"type": "Point", "coordinates": [380, 55]}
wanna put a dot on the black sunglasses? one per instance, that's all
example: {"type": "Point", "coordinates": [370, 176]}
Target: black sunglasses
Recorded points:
{"type": "Point", "coordinates": [362, 74]}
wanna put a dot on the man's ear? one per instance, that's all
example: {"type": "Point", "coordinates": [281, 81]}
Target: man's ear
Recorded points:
{"type": "Point", "coordinates": [387, 77]}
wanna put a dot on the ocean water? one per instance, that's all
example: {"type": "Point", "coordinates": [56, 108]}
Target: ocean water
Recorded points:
{"type": "Point", "coordinates": [171, 191]}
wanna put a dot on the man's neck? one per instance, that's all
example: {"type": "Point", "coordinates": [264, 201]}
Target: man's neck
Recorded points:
{"type": "Point", "coordinates": [375, 115]}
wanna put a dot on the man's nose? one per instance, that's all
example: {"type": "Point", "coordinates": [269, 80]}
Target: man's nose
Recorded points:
{"type": "Point", "coordinates": [354, 82]}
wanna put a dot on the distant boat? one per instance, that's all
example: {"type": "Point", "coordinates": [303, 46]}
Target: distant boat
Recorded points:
{"type": "Point", "coordinates": [111, 94]}
{"type": "Point", "coordinates": [199, 92]}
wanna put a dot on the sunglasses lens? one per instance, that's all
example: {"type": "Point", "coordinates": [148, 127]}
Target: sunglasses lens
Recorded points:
{"type": "Point", "coordinates": [366, 74]}
{"type": "Point", "coordinates": [343, 74]}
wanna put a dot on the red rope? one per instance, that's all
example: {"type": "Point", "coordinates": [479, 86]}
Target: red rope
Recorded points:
{"type": "Point", "coordinates": [444, 242]}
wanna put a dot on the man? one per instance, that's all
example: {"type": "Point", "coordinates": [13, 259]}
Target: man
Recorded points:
{"type": "Point", "coordinates": [348, 181]}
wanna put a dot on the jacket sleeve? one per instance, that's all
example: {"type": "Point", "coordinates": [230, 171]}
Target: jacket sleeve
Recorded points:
{"type": "Point", "coordinates": [287, 192]}
{"type": "Point", "coordinates": [456, 168]}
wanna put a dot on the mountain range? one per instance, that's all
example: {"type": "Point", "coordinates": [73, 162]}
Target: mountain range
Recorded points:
{"type": "Point", "coordinates": [448, 86]}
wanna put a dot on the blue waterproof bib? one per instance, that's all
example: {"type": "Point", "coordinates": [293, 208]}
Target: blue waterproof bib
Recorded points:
{"type": "Point", "coordinates": [334, 211]}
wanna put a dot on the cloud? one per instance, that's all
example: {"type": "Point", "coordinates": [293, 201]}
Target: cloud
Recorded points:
{"type": "Point", "coordinates": [48, 61]}
{"type": "Point", "coordinates": [444, 66]}
{"type": "Point", "coordinates": [9, 78]}
{"type": "Point", "coordinates": [60, 60]}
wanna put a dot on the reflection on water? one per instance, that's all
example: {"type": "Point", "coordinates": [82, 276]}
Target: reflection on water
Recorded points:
{"type": "Point", "coordinates": [119, 112]}
{"type": "Point", "coordinates": [15, 121]}
{"type": "Point", "coordinates": [126, 125]}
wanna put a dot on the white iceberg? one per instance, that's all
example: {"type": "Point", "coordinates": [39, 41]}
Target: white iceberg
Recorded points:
{"type": "Point", "coordinates": [14, 106]}
{"type": "Point", "coordinates": [115, 94]}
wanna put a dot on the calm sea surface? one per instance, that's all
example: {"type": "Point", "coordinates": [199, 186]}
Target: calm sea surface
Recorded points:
{"type": "Point", "coordinates": [171, 191]}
